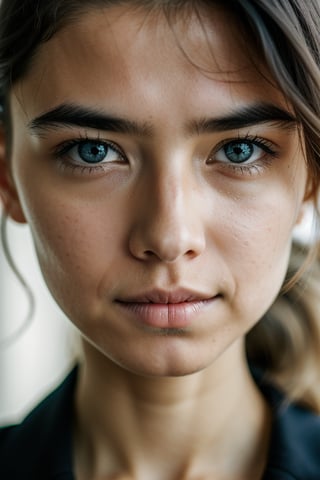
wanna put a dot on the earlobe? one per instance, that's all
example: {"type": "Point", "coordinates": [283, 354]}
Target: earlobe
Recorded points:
{"type": "Point", "coordinates": [9, 198]}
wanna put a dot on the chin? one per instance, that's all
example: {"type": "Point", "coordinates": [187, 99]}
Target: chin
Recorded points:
{"type": "Point", "coordinates": [176, 364]}
{"type": "Point", "coordinates": [163, 371]}
{"type": "Point", "coordinates": [165, 355]}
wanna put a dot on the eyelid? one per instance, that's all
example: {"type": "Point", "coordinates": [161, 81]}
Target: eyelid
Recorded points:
{"type": "Point", "coordinates": [62, 154]}
{"type": "Point", "coordinates": [64, 161]}
{"type": "Point", "coordinates": [247, 169]}
{"type": "Point", "coordinates": [271, 148]}
{"type": "Point", "coordinates": [63, 148]}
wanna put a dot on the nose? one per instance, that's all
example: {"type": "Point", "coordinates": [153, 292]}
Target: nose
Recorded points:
{"type": "Point", "coordinates": [168, 223]}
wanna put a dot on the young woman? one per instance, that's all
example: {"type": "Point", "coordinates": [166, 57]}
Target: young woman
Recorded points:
{"type": "Point", "coordinates": [162, 154]}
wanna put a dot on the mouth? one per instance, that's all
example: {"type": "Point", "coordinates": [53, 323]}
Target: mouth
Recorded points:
{"type": "Point", "coordinates": [167, 297]}
{"type": "Point", "coordinates": [166, 309]}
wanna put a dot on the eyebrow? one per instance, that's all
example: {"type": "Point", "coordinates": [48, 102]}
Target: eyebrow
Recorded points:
{"type": "Point", "coordinates": [70, 115]}
{"type": "Point", "coordinates": [243, 117]}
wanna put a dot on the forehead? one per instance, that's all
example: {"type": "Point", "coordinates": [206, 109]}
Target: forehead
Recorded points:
{"type": "Point", "coordinates": [122, 52]}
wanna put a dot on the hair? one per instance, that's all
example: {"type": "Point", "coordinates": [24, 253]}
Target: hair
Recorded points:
{"type": "Point", "coordinates": [285, 343]}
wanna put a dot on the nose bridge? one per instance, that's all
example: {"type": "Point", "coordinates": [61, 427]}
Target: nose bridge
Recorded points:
{"type": "Point", "coordinates": [170, 197]}
{"type": "Point", "coordinates": [169, 225]}
{"type": "Point", "coordinates": [170, 207]}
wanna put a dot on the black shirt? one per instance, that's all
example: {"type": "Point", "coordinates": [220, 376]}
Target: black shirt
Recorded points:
{"type": "Point", "coordinates": [40, 448]}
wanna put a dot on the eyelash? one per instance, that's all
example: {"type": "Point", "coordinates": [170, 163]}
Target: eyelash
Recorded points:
{"type": "Point", "coordinates": [254, 168]}
{"type": "Point", "coordinates": [61, 151]}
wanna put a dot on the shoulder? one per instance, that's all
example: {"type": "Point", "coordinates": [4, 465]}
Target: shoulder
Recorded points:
{"type": "Point", "coordinates": [41, 444]}
{"type": "Point", "coordinates": [295, 442]}
{"type": "Point", "coordinates": [294, 452]}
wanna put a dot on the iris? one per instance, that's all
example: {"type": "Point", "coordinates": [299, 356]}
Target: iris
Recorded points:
{"type": "Point", "coordinates": [92, 152]}
{"type": "Point", "coordinates": [238, 152]}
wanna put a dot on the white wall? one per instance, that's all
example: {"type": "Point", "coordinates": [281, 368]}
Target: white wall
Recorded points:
{"type": "Point", "coordinates": [40, 357]}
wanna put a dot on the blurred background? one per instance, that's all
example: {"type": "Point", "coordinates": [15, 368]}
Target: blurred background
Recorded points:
{"type": "Point", "coordinates": [40, 357]}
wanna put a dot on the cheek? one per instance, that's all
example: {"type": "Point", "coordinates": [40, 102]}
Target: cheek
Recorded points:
{"type": "Point", "coordinates": [256, 247]}
{"type": "Point", "coordinates": [76, 243]}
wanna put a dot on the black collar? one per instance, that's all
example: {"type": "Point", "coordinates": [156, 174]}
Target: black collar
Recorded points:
{"type": "Point", "coordinates": [40, 448]}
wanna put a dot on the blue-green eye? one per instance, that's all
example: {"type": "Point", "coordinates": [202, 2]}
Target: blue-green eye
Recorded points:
{"type": "Point", "coordinates": [243, 151]}
{"type": "Point", "coordinates": [90, 152]}
{"type": "Point", "coordinates": [238, 152]}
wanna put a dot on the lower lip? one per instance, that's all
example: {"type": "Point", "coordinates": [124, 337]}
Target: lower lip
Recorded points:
{"type": "Point", "coordinates": [169, 315]}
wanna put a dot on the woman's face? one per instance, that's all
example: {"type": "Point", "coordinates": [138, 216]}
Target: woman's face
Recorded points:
{"type": "Point", "coordinates": [161, 176]}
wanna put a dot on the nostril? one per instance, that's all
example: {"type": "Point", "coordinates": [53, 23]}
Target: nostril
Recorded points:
{"type": "Point", "coordinates": [165, 241]}
{"type": "Point", "coordinates": [149, 253]}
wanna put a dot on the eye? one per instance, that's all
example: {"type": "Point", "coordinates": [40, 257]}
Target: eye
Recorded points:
{"type": "Point", "coordinates": [91, 152]}
{"type": "Point", "coordinates": [242, 151]}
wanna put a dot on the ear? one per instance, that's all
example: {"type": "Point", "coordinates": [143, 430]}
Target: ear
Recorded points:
{"type": "Point", "coordinates": [303, 212]}
{"type": "Point", "coordinates": [310, 198]}
{"type": "Point", "coordinates": [8, 193]}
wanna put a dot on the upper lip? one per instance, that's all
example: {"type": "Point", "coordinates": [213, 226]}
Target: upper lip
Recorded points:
{"type": "Point", "coordinates": [180, 295]}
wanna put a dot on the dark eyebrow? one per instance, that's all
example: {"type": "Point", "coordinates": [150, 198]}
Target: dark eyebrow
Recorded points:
{"type": "Point", "coordinates": [244, 117]}
{"type": "Point", "coordinates": [78, 116]}
{"type": "Point", "coordinates": [75, 115]}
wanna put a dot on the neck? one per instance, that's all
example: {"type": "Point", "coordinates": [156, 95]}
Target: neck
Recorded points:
{"type": "Point", "coordinates": [211, 423]}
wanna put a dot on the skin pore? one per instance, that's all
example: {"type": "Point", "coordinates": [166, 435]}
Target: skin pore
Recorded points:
{"type": "Point", "coordinates": [164, 390]}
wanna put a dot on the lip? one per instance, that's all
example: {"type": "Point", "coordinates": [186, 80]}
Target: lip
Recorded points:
{"type": "Point", "coordinates": [166, 309]}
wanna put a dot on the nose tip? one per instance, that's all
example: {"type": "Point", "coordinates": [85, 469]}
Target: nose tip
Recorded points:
{"type": "Point", "coordinates": [168, 252]}
{"type": "Point", "coordinates": [165, 240]}
{"type": "Point", "coordinates": [168, 225]}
